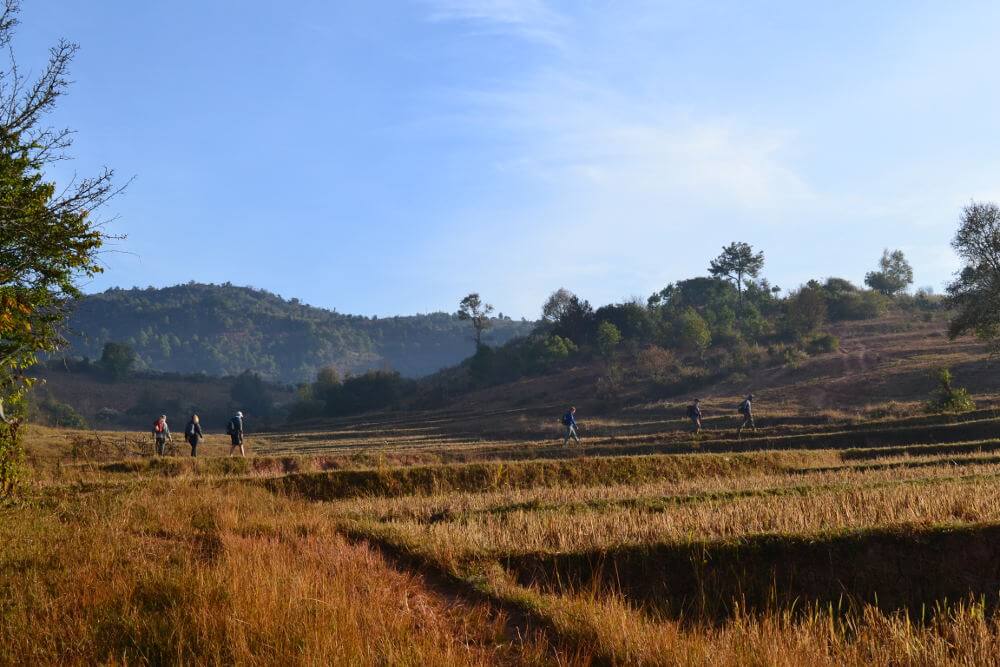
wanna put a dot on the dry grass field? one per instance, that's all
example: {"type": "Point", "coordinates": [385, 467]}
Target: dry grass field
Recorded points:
{"type": "Point", "coordinates": [863, 535]}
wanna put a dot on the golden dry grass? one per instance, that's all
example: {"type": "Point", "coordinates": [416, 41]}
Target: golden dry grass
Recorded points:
{"type": "Point", "coordinates": [173, 572]}
{"type": "Point", "coordinates": [824, 510]}
{"type": "Point", "coordinates": [200, 564]}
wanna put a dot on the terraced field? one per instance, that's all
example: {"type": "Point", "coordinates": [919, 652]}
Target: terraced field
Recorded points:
{"type": "Point", "coordinates": [816, 541]}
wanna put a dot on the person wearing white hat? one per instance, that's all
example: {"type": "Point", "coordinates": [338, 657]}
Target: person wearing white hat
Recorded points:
{"type": "Point", "coordinates": [235, 431]}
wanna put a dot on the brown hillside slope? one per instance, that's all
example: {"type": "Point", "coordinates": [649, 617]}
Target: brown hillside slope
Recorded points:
{"type": "Point", "coordinates": [889, 359]}
{"type": "Point", "coordinates": [883, 371]}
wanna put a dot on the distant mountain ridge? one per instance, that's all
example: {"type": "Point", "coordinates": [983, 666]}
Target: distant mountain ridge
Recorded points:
{"type": "Point", "coordinates": [226, 329]}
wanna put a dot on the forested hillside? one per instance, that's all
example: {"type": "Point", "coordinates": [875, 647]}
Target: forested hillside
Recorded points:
{"type": "Point", "coordinates": [225, 329]}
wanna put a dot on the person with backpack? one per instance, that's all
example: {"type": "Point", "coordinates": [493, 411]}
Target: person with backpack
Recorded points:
{"type": "Point", "coordinates": [193, 434]}
{"type": "Point", "coordinates": [746, 409]}
{"type": "Point", "coordinates": [694, 414]}
{"type": "Point", "coordinates": [161, 434]}
{"type": "Point", "coordinates": [235, 431]}
{"type": "Point", "coordinates": [569, 421]}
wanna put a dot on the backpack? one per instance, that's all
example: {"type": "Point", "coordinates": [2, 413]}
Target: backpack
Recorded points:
{"type": "Point", "coordinates": [692, 411]}
{"type": "Point", "coordinates": [744, 407]}
{"type": "Point", "coordinates": [566, 419]}
{"type": "Point", "coordinates": [190, 429]}
{"type": "Point", "coordinates": [158, 426]}
{"type": "Point", "coordinates": [233, 427]}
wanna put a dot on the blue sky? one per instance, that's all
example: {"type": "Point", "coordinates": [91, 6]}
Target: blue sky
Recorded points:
{"type": "Point", "coordinates": [390, 157]}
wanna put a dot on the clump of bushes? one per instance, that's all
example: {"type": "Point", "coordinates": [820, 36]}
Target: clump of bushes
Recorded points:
{"type": "Point", "coordinates": [53, 412]}
{"type": "Point", "coordinates": [823, 343]}
{"type": "Point", "coordinates": [657, 364]}
{"type": "Point", "coordinates": [950, 398]}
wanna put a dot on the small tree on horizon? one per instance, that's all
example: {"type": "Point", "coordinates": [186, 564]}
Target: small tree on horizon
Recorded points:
{"type": "Point", "coordinates": [975, 293]}
{"type": "Point", "coordinates": [894, 275]}
{"type": "Point", "coordinates": [557, 305]}
{"type": "Point", "coordinates": [472, 309]}
{"type": "Point", "coordinates": [737, 263]}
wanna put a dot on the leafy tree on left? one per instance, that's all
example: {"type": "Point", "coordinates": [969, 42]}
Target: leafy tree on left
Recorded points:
{"type": "Point", "coordinates": [48, 239]}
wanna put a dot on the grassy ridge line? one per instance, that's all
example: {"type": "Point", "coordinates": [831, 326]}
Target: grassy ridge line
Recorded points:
{"type": "Point", "coordinates": [252, 466]}
{"type": "Point", "coordinates": [891, 568]}
{"type": "Point", "coordinates": [500, 475]}
{"type": "Point", "coordinates": [644, 433]}
{"type": "Point", "coordinates": [976, 430]}
{"type": "Point", "coordinates": [723, 429]}
{"type": "Point", "coordinates": [657, 504]}
{"type": "Point", "coordinates": [940, 433]}
{"type": "Point", "coordinates": [476, 477]}
{"type": "Point", "coordinates": [264, 466]}
{"type": "Point", "coordinates": [970, 447]}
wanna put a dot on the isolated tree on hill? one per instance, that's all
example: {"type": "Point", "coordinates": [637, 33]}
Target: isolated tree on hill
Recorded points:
{"type": "Point", "coordinates": [48, 240]}
{"type": "Point", "coordinates": [737, 263]}
{"type": "Point", "coordinates": [117, 360]}
{"type": "Point", "coordinates": [894, 275]}
{"type": "Point", "coordinates": [975, 293]}
{"type": "Point", "coordinates": [557, 305]}
{"type": "Point", "coordinates": [472, 309]}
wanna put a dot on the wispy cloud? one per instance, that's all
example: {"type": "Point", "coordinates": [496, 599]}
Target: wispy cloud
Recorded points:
{"type": "Point", "coordinates": [590, 140]}
{"type": "Point", "coordinates": [532, 20]}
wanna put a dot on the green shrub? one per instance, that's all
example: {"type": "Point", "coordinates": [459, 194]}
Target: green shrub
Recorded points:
{"type": "Point", "coordinates": [744, 358]}
{"type": "Point", "coordinates": [792, 356]}
{"type": "Point", "coordinates": [11, 457]}
{"type": "Point", "coordinates": [822, 343]}
{"type": "Point", "coordinates": [558, 348]}
{"type": "Point", "coordinates": [785, 354]}
{"type": "Point", "coordinates": [694, 333]}
{"type": "Point", "coordinates": [950, 398]}
{"type": "Point", "coordinates": [56, 413]}
{"type": "Point", "coordinates": [608, 338]}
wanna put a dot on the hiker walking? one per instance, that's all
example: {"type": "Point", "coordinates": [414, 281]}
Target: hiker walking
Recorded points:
{"type": "Point", "coordinates": [193, 434]}
{"type": "Point", "coordinates": [694, 414]}
{"type": "Point", "coordinates": [569, 421]}
{"type": "Point", "coordinates": [746, 409]}
{"type": "Point", "coordinates": [161, 434]}
{"type": "Point", "coordinates": [235, 431]}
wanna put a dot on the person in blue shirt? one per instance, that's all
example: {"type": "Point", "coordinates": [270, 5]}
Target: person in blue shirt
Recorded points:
{"type": "Point", "coordinates": [569, 421]}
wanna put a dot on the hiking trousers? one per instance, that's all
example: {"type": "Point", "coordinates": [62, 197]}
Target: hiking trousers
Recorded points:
{"type": "Point", "coordinates": [571, 432]}
{"type": "Point", "coordinates": [161, 445]}
{"type": "Point", "coordinates": [748, 421]}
